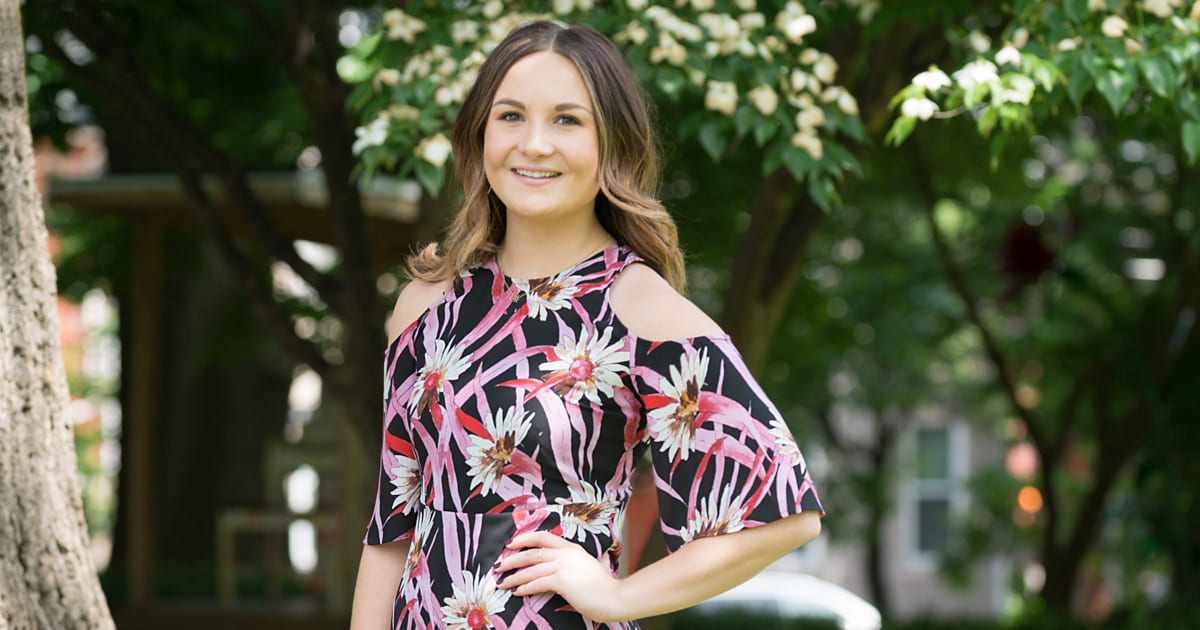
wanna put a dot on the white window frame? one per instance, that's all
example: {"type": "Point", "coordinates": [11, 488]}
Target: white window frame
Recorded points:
{"type": "Point", "coordinates": [914, 489]}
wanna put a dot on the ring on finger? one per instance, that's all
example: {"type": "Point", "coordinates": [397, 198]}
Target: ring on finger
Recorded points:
{"type": "Point", "coordinates": [539, 556]}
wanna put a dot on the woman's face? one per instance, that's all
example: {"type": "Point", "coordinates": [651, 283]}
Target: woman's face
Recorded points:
{"type": "Point", "coordinates": [541, 150]}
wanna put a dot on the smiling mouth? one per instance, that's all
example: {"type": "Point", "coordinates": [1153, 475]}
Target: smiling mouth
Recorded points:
{"type": "Point", "coordinates": [536, 174]}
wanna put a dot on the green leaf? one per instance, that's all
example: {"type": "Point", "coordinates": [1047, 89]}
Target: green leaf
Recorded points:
{"type": "Point", "coordinates": [996, 149]}
{"type": "Point", "coordinates": [1116, 86]}
{"type": "Point", "coordinates": [672, 82]}
{"type": "Point", "coordinates": [853, 127]}
{"type": "Point", "coordinates": [351, 69]}
{"type": "Point", "coordinates": [900, 129]}
{"type": "Point", "coordinates": [774, 158]}
{"type": "Point", "coordinates": [764, 129]}
{"type": "Point", "coordinates": [743, 119]}
{"type": "Point", "coordinates": [1077, 10]}
{"type": "Point", "coordinates": [691, 123]}
{"type": "Point", "coordinates": [987, 122]}
{"type": "Point", "coordinates": [430, 176]}
{"type": "Point", "coordinates": [1189, 104]}
{"type": "Point", "coordinates": [1191, 141]}
{"type": "Point", "coordinates": [823, 191]}
{"type": "Point", "coordinates": [1160, 74]}
{"type": "Point", "coordinates": [798, 162]}
{"type": "Point", "coordinates": [713, 139]}
{"type": "Point", "coordinates": [975, 95]}
{"type": "Point", "coordinates": [1079, 85]}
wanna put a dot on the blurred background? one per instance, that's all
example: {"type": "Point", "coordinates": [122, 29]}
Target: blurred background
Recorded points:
{"type": "Point", "coordinates": [956, 241]}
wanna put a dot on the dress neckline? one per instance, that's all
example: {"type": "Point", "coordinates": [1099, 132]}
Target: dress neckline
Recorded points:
{"type": "Point", "coordinates": [509, 280]}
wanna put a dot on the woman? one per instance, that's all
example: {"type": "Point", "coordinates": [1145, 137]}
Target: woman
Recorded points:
{"type": "Point", "coordinates": [536, 360]}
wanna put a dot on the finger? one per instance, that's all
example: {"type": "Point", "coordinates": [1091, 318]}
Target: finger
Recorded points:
{"type": "Point", "coordinates": [527, 574]}
{"type": "Point", "coordinates": [537, 539]}
{"type": "Point", "coordinates": [524, 558]}
{"type": "Point", "coordinates": [535, 586]}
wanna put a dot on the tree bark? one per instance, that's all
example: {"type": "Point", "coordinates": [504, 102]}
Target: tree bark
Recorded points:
{"type": "Point", "coordinates": [47, 579]}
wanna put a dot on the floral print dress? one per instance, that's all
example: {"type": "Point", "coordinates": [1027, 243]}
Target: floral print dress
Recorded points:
{"type": "Point", "coordinates": [514, 406]}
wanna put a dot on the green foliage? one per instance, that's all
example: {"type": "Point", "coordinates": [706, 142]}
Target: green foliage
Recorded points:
{"type": "Point", "coordinates": [753, 71]}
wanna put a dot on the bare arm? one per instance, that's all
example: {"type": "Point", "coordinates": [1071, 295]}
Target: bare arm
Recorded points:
{"type": "Point", "coordinates": [650, 308]}
{"type": "Point", "coordinates": [382, 566]}
{"type": "Point", "coordinates": [379, 573]}
{"type": "Point", "coordinates": [700, 569]}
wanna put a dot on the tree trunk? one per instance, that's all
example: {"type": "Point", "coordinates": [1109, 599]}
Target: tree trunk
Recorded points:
{"type": "Point", "coordinates": [47, 579]}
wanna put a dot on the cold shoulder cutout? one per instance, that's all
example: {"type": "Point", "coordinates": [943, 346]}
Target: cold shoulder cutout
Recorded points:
{"type": "Point", "coordinates": [652, 310]}
{"type": "Point", "coordinates": [415, 299]}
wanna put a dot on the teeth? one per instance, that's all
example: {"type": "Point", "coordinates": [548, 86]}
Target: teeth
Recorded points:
{"type": "Point", "coordinates": [537, 174]}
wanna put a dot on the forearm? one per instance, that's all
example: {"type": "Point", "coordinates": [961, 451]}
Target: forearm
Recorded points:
{"type": "Point", "coordinates": [708, 566]}
{"type": "Point", "coordinates": [379, 572]}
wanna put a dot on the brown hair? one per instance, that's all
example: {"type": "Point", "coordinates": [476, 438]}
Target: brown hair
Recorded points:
{"type": "Point", "coordinates": [629, 163]}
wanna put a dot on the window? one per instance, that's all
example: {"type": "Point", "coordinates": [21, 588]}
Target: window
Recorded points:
{"type": "Point", "coordinates": [932, 484]}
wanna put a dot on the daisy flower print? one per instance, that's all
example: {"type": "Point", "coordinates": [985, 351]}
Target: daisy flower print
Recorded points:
{"type": "Point", "coordinates": [714, 517]}
{"type": "Point", "coordinates": [548, 294]}
{"type": "Point", "coordinates": [674, 425]}
{"type": "Point", "coordinates": [586, 511]}
{"type": "Point", "coordinates": [445, 364]}
{"type": "Point", "coordinates": [488, 457]}
{"type": "Point", "coordinates": [473, 604]}
{"type": "Point", "coordinates": [587, 366]}
{"type": "Point", "coordinates": [406, 483]}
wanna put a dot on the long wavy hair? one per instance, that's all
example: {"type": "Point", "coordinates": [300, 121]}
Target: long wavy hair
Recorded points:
{"type": "Point", "coordinates": [629, 168]}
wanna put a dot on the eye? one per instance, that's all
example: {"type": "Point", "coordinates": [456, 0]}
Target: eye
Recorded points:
{"type": "Point", "coordinates": [566, 119]}
{"type": "Point", "coordinates": [509, 117]}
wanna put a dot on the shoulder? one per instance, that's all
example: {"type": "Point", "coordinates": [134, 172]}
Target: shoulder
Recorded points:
{"type": "Point", "coordinates": [651, 309]}
{"type": "Point", "coordinates": [415, 298]}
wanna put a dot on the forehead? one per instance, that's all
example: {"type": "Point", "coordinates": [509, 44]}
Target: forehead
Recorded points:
{"type": "Point", "coordinates": [544, 76]}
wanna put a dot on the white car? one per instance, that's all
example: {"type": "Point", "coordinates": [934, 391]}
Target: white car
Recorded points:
{"type": "Point", "coordinates": [791, 595]}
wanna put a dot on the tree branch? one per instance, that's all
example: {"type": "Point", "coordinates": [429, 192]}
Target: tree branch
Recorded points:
{"type": "Point", "coordinates": [200, 206]}
{"type": "Point", "coordinates": [151, 109]}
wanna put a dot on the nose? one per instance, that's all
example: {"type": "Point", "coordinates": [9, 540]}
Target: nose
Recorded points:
{"type": "Point", "coordinates": [535, 142]}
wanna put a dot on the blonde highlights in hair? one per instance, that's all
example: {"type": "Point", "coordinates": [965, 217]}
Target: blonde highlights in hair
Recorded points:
{"type": "Point", "coordinates": [629, 161]}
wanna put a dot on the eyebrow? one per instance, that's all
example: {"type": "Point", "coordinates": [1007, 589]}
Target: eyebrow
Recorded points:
{"type": "Point", "coordinates": [558, 108]}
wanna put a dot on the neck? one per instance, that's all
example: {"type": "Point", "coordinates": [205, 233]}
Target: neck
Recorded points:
{"type": "Point", "coordinates": [536, 251]}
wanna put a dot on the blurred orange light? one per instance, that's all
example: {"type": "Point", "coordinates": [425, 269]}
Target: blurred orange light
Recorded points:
{"type": "Point", "coordinates": [1030, 499]}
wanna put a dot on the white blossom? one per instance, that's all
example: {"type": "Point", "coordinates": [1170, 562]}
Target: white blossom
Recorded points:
{"type": "Point", "coordinates": [799, 80]}
{"type": "Point", "coordinates": [1020, 37]}
{"type": "Point", "coordinates": [932, 79]}
{"type": "Point", "coordinates": [974, 73]}
{"type": "Point", "coordinates": [401, 25]}
{"type": "Point", "coordinates": [492, 9]}
{"type": "Point", "coordinates": [1113, 26]}
{"type": "Point", "coordinates": [794, 22]}
{"type": "Point", "coordinates": [979, 42]}
{"type": "Point", "coordinates": [668, 50]}
{"type": "Point", "coordinates": [809, 56]}
{"type": "Point", "coordinates": [1069, 43]}
{"type": "Point", "coordinates": [1163, 9]}
{"type": "Point", "coordinates": [1132, 46]}
{"type": "Point", "coordinates": [463, 31]}
{"type": "Point", "coordinates": [1008, 55]}
{"type": "Point", "coordinates": [563, 7]}
{"type": "Point", "coordinates": [387, 76]}
{"type": "Point", "coordinates": [847, 103]}
{"type": "Point", "coordinates": [806, 139]}
{"type": "Point", "coordinates": [1097, 5]}
{"type": "Point", "coordinates": [1194, 14]}
{"type": "Point", "coordinates": [636, 5]}
{"type": "Point", "coordinates": [810, 117]}
{"type": "Point", "coordinates": [1018, 89]}
{"type": "Point", "coordinates": [745, 5]}
{"type": "Point", "coordinates": [922, 108]}
{"type": "Point", "coordinates": [752, 21]}
{"type": "Point", "coordinates": [764, 99]}
{"type": "Point", "coordinates": [372, 135]}
{"type": "Point", "coordinates": [826, 68]}
{"type": "Point", "coordinates": [703, 5]}
{"type": "Point", "coordinates": [721, 96]}
{"type": "Point", "coordinates": [403, 112]}
{"type": "Point", "coordinates": [434, 149]}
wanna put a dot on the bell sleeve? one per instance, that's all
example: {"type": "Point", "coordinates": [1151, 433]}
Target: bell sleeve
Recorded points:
{"type": "Point", "coordinates": [723, 457]}
{"type": "Point", "coordinates": [400, 488]}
